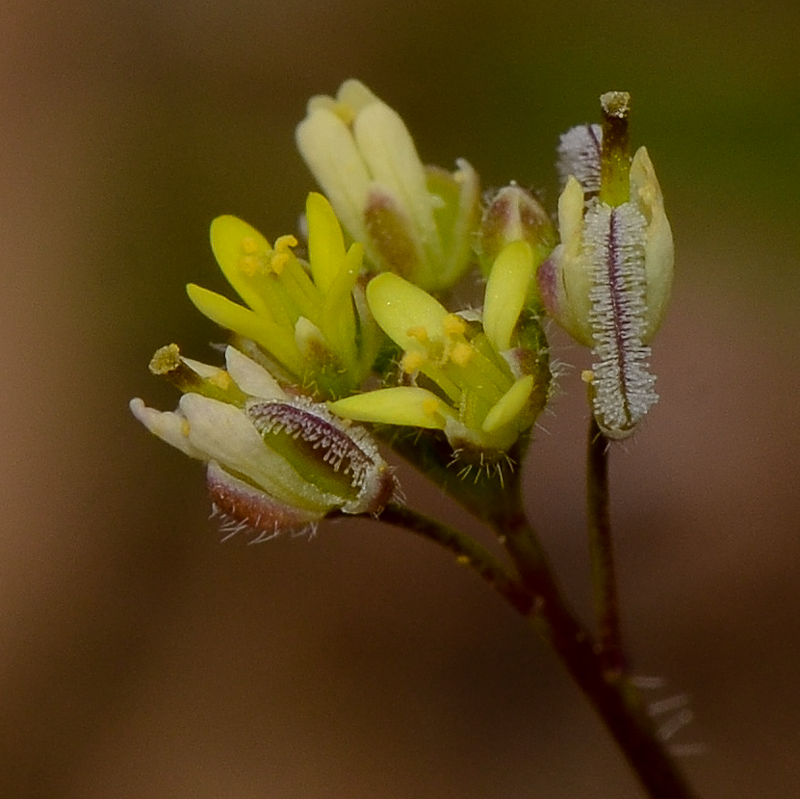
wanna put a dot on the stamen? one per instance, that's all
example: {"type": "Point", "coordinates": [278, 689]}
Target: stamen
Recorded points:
{"type": "Point", "coordinates": [418, 333]}
{"type": "Point", "coordinates": [411, 362]}
{"type": "Point", "coordinates": [461, 353]}
{"type": "Point", "coordinates": [454, 325]}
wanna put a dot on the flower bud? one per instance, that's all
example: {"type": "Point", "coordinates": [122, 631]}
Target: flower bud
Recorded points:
{"type": "Point", "coordinates": [608, 281]}
{"type": "Point", "coordinates": [413, 220]}
{"type": "Point", "coordinates": [275, 462]}
{"type": "Point", "coordinates": [514, 214]}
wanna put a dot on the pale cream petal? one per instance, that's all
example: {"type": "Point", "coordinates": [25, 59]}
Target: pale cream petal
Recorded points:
{"type": "Point", "coordinates": [168, 426]}
{"type": "Point", "coordinates": [329, 150]}
{"type": "Point", "coordinates": [251, 378]}
{"type": "Point", "coordinates": [225, 433]}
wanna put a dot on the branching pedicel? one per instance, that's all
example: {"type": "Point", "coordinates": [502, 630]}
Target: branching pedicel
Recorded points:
{"type": "Point", "coordinates": [360, 332]}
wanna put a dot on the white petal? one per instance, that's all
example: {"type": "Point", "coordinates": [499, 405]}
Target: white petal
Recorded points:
{"type": "Point", "coordinates": [168, 426]}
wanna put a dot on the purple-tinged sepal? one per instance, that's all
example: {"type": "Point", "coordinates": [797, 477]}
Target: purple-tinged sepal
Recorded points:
{"type": "Point", "coordinates": [514, 214]}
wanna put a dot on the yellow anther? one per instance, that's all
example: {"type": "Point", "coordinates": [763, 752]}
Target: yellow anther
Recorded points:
{"type": "Point", "coordinates": [282, 253]}
{"type": "Point", "coordinates": [248, 265]}
{"type": "Point", "coordinates": [284, 243]}
{"type": "Point", "coordinates": [278, 261]}
{"type": "Point", "coordinates": [220, 379]}
{"type": "Point", "coordinates": [165, 360]}
{"type": "Point", "coordinates": [461, 353]}
{"type": "Point", "coordinates": [587, 375]}
{"type": "Point", "coordinates": [412, 361]}
{"type": "Point", "coordinates": [430, 407]}
{"type": "Point", "coordinates": [249, 245]}
{"type": "Point", "coordinates": [453, 325]}
{"type": "Point", "coordinates": [418, 332]}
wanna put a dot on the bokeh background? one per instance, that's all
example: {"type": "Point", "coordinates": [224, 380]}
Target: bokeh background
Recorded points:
{"type": "Point", "coordinates": [139, 656]}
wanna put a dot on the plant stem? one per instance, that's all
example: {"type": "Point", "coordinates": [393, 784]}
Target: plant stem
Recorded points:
{"type": "Point", "coordinates": [468, 552]}
{"type": "Point", "coordinates": [601, 550]}
{"type": "Point", "coordinates": [538, 599]}
{"type": "Point", "coordinates": [610, 691]}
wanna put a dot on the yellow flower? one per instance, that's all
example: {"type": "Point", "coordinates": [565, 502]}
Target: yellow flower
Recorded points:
{"type": "Point", "coordinates": [608, 281]}
{"type": "Point", "coordinates": [413, 220]}
{"type": "Point", "coordinates": [481, 382]}
{"type": "Point", "coordinates": [304, 318]}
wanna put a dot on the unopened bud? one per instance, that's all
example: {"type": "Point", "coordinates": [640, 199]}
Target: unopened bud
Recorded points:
{"type": "Point", "coordinates": [413, 220]}
{"type": "Point", "coordinates": [514, 214]}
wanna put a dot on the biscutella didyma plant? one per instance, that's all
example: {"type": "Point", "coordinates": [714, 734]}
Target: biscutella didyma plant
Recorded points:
{"type": "Point", "coordinates": [356, 339]}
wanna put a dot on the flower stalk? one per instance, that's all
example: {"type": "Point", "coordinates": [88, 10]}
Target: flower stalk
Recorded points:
{"type": "Point", "coordinates": [601, 551]}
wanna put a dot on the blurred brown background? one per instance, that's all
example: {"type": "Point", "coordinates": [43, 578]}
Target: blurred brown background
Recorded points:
{"type": "Point", "coordinates": [139, 656]}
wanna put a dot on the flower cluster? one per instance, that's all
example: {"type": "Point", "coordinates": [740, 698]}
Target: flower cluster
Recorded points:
{"type": "Point", "coordinates": [468, 375]}
{"type": "Point", "coordinates": [359, 332]}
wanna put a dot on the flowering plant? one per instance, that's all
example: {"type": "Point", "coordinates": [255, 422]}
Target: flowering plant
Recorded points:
{"type": "Point", "coordinates": [352, 343]}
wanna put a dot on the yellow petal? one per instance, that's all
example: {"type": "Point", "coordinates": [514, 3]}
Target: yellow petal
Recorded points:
{"type": "Point", "coordinates": [506, 292]}
{"type": "Point", "coordinates": [509, 406]}
{"type": "Point", "coordinates": [400, 307]}
{"type": "Point", "coordinates": [276, 340]}
{"type": "Point", "coordinates": [325, 241]}
{"type": "Point", "coordinates": [242, 253]}
{"type": "Point", "coordinates": [403, 405]}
